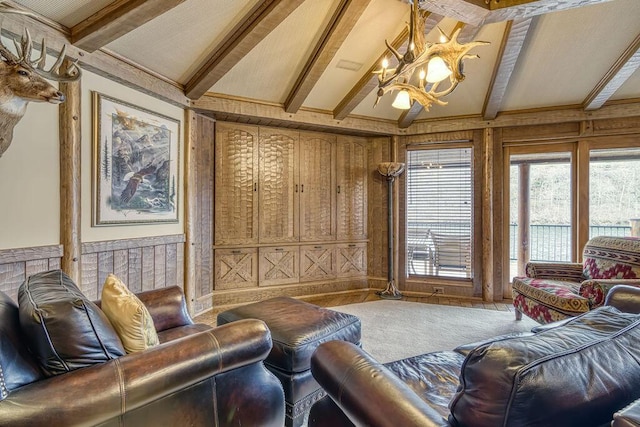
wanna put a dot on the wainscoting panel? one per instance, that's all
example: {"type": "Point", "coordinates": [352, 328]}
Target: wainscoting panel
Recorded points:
{"type": "Point", "coordinates": [16, 265]}
{"type": "Point", "coordinates": [143, 264]}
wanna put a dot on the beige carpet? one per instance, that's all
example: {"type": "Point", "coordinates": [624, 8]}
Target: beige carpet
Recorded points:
{"type": "Point", "coordinates": [393, 330]}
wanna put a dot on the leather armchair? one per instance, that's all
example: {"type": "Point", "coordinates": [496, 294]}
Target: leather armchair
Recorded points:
{"type": "Point", "coordinates": [198, 375]}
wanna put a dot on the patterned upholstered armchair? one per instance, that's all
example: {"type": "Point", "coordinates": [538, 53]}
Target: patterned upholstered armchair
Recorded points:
{"type": "Point", "coordinates": [554, 291]}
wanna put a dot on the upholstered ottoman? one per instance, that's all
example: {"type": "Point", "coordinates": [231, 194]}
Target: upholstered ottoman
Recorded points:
{"type": "Point", "coordinates": [297, 328]}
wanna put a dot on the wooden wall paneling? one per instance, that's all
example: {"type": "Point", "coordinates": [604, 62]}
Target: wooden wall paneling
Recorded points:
{"type": "Point", "coordinates": [148, 268]}
{"type": "Point", "coordinates": [485, 171]}
{"type": "Point", "coordinates": [199, 214]}
{"type": "Point", "coordinates": [70, 190]}
{"type": "Point", "coordinates": [317, 262]}
{"type": "Point", "coordinates": [351, 180]}
{"type": "Point", "coordinates": [121, 264]}
{"type": "Point", "coordinates": [54, 264]}
{"type": "Point", "coordinates": [236, 268]}
{"type": "Point", "coordinates": [90, 275]}
{"type": "Point", "coordinates": [171, 271]}
{"type": "Point", "coordinates": [135, 269]}
{"type": "Point", "coordinates": [500, 269]}
{"type": "Point", "coordinates": [278, 265]}
{"type": "Point", "coordinates": [236, 183]}
{"type": "Point", "coordinates": [580, 214]}
{"type": "Point", "coordinates": [278, 171]}
{"type": "Point", "coordinates": [541, 132]}
{"type": "Point", "coordinates": [317, 181]}
{"type": "Point", "coordinates": [378, 152]}
{"type": "Point", "coordinates": [616, 126]}
{"type": "Point", "coordinates": [11, 277]}
{"type": "Point", "coordinates": [17, 264]}
{"type": "Point", "coordinates": [105, 267]}
{"type": "Point", "coordinates": [160, 266]}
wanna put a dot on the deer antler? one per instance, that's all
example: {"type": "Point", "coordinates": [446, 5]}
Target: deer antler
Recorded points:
{"type": "Point", "coordinates": [24, 51]}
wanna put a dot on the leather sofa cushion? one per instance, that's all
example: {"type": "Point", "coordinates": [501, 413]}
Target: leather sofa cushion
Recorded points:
{"type": "Point", "coordinates": [65, 330]}
{"type": "Point", "coordinates": [128, 316]}
{"type": "Point", "coordinates": [577, 374]}
{"type": "Point", "coordinates": [17, 366]}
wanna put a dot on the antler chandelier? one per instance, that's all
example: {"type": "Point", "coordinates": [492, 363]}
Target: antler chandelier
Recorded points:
{"type": "Point", "coordinates": [435, 62]}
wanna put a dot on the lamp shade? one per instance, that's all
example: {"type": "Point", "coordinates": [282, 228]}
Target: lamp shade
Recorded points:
{"type": "Point", "coordinates": [437, 70]}
{"type": "Point", "coordinates": [402, 101]}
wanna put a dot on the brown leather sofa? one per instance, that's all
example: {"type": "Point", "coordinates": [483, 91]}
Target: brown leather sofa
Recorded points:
{"type": "Point", "coordinates": [197, 376]}
{"type": "Point", "coordinates": [578, 372]}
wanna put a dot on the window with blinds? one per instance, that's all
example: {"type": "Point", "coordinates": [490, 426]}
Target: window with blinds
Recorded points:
{"type": "Point", "coordinates": [439, 212]}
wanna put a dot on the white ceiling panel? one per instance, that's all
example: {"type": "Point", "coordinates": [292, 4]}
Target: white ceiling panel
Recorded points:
{"type": "Point", "coordinates": [381, 20]}
{"type": "Point", "coordinates": [175, 43]}
{"type": "Point", "coordinates": [65, 12]}
{"type": "Point", "coordinates": [269, 71]}
{"type": "Point", "coordinates": [568, 52]}
{"type": "Point", "coordinates": [468, 98]}
{"type": "Point", "coordinates": [630, 88]}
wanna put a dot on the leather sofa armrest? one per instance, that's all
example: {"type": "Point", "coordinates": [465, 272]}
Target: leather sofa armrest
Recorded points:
{"type": "Point", "coordinates": [366, 391]}
{"type": "Point", "coordinates": [167, 306]}
{"type": "Point", "coordinates": [99, 393]}
{"type": "Point", "coordinates": [624, 298]}
{"type": "Point", "coordinates": [596, 290]}
{"type": "Point", "coordinates": [570, 271]}
{"type": "Point", "coordinates": [628, 417]}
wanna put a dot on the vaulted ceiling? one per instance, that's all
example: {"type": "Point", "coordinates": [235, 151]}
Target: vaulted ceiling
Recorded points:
{"type": "Point", "coordinates": [317, 56]}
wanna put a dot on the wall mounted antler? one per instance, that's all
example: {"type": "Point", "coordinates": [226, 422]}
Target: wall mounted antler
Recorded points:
{"type": "Point", "coordinates": [22, 79]}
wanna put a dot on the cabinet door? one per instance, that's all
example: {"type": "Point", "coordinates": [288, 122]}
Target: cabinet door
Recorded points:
{"type": "Point", "coordinates": [236, 268]}
{"type": "Point", "coordinates": [278, 265]}
{"type": "Point", "coordinates": [236, 175]}
{"type": "Point", "coordinates": [317, 184]}
{"type": "Point", "coordinates": [351, 188]}
{"type": "Point", "coordinates": [317, 262]}
{"type": "Point", "coordinates": [352, 259]}
{"type": "Point", "coordinates": [277, 185]}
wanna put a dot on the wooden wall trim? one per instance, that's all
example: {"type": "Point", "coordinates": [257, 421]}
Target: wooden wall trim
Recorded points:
{"type": "Point", "coordinates": [70, 190]}
{"type": "Point", "coordinates": [8, 256]}
{"type": "Point", "coordinates": [116, 245]}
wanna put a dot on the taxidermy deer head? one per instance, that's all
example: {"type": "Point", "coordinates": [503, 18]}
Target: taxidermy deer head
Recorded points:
{"type": "Point", "coordinates": [23, 80]}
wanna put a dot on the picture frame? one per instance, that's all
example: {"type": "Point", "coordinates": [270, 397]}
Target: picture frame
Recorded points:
{"type": "Point", "coordinates": [136, 164]}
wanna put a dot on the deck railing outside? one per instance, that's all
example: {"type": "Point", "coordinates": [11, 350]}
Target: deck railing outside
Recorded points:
{"type": "Point", "coordinates": [552, 242]}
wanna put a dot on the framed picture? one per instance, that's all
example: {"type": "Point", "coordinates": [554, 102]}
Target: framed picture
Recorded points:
{"type": "Point", "coordinates": [136, 164]}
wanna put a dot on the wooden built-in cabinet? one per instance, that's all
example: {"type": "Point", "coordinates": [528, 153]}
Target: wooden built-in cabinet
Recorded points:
{"type": "Point", "coordinates": [290, 206]}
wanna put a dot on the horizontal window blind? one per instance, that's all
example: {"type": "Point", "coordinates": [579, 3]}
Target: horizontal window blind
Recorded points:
{"type": "Point", "coordinates": [439, 212]}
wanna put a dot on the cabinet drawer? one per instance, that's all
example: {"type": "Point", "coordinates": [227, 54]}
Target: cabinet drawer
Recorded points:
{"type": "Point", "coordinates": [317, 262]}
{"type": "Point", "coordinates": [236, 268]}
{"type": "Point", "coordinates": [278, 265]}
{"type": "Point", "coordinates": [352, 259]}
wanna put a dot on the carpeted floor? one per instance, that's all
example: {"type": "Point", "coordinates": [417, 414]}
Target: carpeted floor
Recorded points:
{"type": "Point", "coordinates": [393, 330]}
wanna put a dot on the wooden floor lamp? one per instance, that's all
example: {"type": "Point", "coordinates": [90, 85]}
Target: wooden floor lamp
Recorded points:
{"type": "Point", "coordinates": [391, 170]}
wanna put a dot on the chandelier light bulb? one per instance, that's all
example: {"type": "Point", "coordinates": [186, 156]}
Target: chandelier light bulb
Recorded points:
{"type": "Point", "coordinates": [437, 70]}
{"type": "Point", "coordinates": [402, 101]}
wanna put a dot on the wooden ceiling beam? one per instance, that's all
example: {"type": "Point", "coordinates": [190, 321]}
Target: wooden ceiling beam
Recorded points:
{"type": "Point", "coordinates": [513, 40]}
{"type": "Point", "coordinates": [263, 18]}
{"type": "Point", "coordinates": [619, 73]}
{"type": "Point", "coordinates": [116, 20]}
{"type": "Point", "coordinates": [471, 12]}
{"type": "Point", "coordinates": [342, 22]}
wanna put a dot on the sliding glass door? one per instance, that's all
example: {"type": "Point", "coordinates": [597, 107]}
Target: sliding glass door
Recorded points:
{"type": "Point", "coordinates": [540, 206]}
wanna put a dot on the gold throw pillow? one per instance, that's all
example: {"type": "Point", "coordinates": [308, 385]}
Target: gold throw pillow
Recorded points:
{"type": "Point", "coordinates": [128, 315]}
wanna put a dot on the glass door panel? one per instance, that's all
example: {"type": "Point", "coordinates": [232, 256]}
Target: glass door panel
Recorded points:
{"type": "Point", "coordinates": [540, 208]}
{"type": "Point", "coordinates": [614, 192]}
